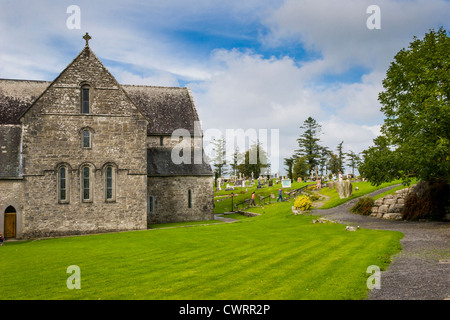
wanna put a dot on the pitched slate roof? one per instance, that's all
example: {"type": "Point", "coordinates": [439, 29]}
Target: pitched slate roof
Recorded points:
{"type": "Point", "coordinates": [16, 96]}
{"type": "Point", "coordinates": [160, 164]}
{"type": "Point", "coordinates": [10, 136]}
{"type": "Point", "coordinates": [166, 108]}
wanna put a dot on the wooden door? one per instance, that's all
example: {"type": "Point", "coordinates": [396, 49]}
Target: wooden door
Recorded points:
{"type": "Point", "coordinates": [10, 225]}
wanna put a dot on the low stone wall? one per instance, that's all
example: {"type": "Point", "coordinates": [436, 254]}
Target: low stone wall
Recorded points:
{"type": "Point", "coordinates": [391, 206]}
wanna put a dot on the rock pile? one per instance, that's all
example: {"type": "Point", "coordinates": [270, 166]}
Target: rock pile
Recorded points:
{"type": "Point", "coordinates": [323, 220]}
{"type": "Point", "coordinates": [391, 206]}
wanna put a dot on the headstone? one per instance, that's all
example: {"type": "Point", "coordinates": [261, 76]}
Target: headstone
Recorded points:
{"type": "Point", "coordinates": [345, 189]}
{"type": "Point", "coordinates": [218, 185]}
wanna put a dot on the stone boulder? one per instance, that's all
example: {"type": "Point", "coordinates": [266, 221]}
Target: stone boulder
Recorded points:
{"type": "Point", "coordinates": [345, 189]}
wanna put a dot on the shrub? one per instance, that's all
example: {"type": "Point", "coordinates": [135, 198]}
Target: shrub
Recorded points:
{"type": "Point", "coordinates": [363, 206]}
{"type": "Point", "coordinates": [302, 202]}
{"type": "Point", "coordinates": [428, 201]}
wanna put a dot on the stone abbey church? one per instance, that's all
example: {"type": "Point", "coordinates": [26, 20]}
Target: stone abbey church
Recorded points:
{"type": "Point", "coordinates": [84, 154]}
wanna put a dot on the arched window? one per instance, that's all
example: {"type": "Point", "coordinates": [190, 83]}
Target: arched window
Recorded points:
{"type": "Point", "coordinates": [86, 138]}
{"type": "Point", "coordinates": [86, 184]}
{"type": "Point", "coordinates": [189, 199]}
{"type": "Point", "coordinates": [110, 181]}
{"type": "Point", "coordinates": [85, 99]}
{"type": "Point", "coordinates": [63, 184]}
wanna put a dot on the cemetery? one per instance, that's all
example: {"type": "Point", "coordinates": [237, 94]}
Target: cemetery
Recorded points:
{"type": "Point", "coordinates": [256, 257]}
{"type": "Point", "coordinates": [147, 228]}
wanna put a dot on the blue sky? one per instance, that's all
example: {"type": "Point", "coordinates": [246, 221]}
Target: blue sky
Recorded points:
{"type": "Point", "coordinates": [250, 64]}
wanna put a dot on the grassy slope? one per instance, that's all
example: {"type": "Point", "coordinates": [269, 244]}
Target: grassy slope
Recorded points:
{"type": "Point", "coordinates": [273, 256]}
{"type": "Point", "coordinates": [364, 188]}
{"type": "Point", "coordinates": [225, 205]}
{"type": "Point", "coordinates": [392, 191]}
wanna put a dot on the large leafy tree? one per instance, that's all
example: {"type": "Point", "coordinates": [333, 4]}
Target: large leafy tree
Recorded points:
{"type": "Point", "coordinates": [309, 143]}
{"type": "Point", "coordinates": [415, 136]}
{"type": "Point", "coordinates": [300, 168]}
{"type": "Point", "coordinates": [256, 161]}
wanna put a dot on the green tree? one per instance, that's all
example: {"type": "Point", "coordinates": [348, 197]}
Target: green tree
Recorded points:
{"type": "Point", "coordinates": [340, 156]}
{"type": "Point", "coordinates": [353, 160]}
{"type": "Point", "coordinates": [333, 163]}
{"type": "Point", "coordinates": [415, 136]}
{"type": "Point", "coordinates": [324, 156]}
{"type": "Point", "coordinates": [219, 158]}
{"type": "Point", "coordinates": [236, 160]}
{"type": "Point", "coordinates": [256, 161]}
{"type": "Point", "coordinates": [289, 162]}
{"type": "Point", "coordinates": [300, 168]}
{"type": "Point", "coordinates": [309, 143]}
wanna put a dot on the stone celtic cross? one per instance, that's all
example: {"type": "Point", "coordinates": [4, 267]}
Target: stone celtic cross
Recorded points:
{"type": "Point", "coordinates": [87, 37]}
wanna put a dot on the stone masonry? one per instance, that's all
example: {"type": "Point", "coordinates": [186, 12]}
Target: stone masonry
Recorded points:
{"type": "Point", "coordinates": [391, 206]}
{"type": "Point", "coordinates": [132, 180]}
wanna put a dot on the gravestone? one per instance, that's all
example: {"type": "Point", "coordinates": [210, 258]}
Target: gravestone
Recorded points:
{"type": "Point", "coordinates": [218, 184]}
{"type": "Point", "coordinates": [345, 189]}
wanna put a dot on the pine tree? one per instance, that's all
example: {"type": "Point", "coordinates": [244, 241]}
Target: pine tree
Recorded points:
{"type": "Point", "coordinates": [219, 156]}
{"type": "Point", "coordinates": [309, 143]}
{"type": "Point", "coordinates": [341, 156]}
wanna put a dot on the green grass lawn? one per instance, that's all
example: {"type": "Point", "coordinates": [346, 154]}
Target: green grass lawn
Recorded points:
{"type": "Point", "coordinates": [240, 194]}
{"type": "Point", "coordinates": [364, 188]}
{"type": "Point", "coordinates": [392, 191]}
{"type": "Point", "coordinates": [276, 255]}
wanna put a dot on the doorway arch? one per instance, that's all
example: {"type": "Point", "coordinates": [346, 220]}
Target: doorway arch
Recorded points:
{"type": "Point", "coordinates": [10, 223]}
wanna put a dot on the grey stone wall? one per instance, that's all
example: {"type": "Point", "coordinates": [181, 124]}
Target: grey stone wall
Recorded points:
{"type": "Point", "coordinates": [391, 206]}
{"type": "Point", "coordinates": [11, 194]}
{"type": "Point", "coordinates": [170, 196]}
{"type": "Point", "coordinates": [52, 136]}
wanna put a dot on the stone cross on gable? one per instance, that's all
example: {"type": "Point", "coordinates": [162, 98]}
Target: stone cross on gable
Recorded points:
{"type": "Point", "coordinates": [87, 37]}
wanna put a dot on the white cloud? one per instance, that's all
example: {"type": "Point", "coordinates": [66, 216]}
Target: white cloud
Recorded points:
{"type": "Point", "coordinates": [337, 29]}
{"type": "Point", "coordinates": [232, 88]}
{"type": "Point", "coordinates": [248, 91]}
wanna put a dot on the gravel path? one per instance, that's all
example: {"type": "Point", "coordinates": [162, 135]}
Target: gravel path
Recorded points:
{"type": "Point", "coordinates": [421, 271]}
